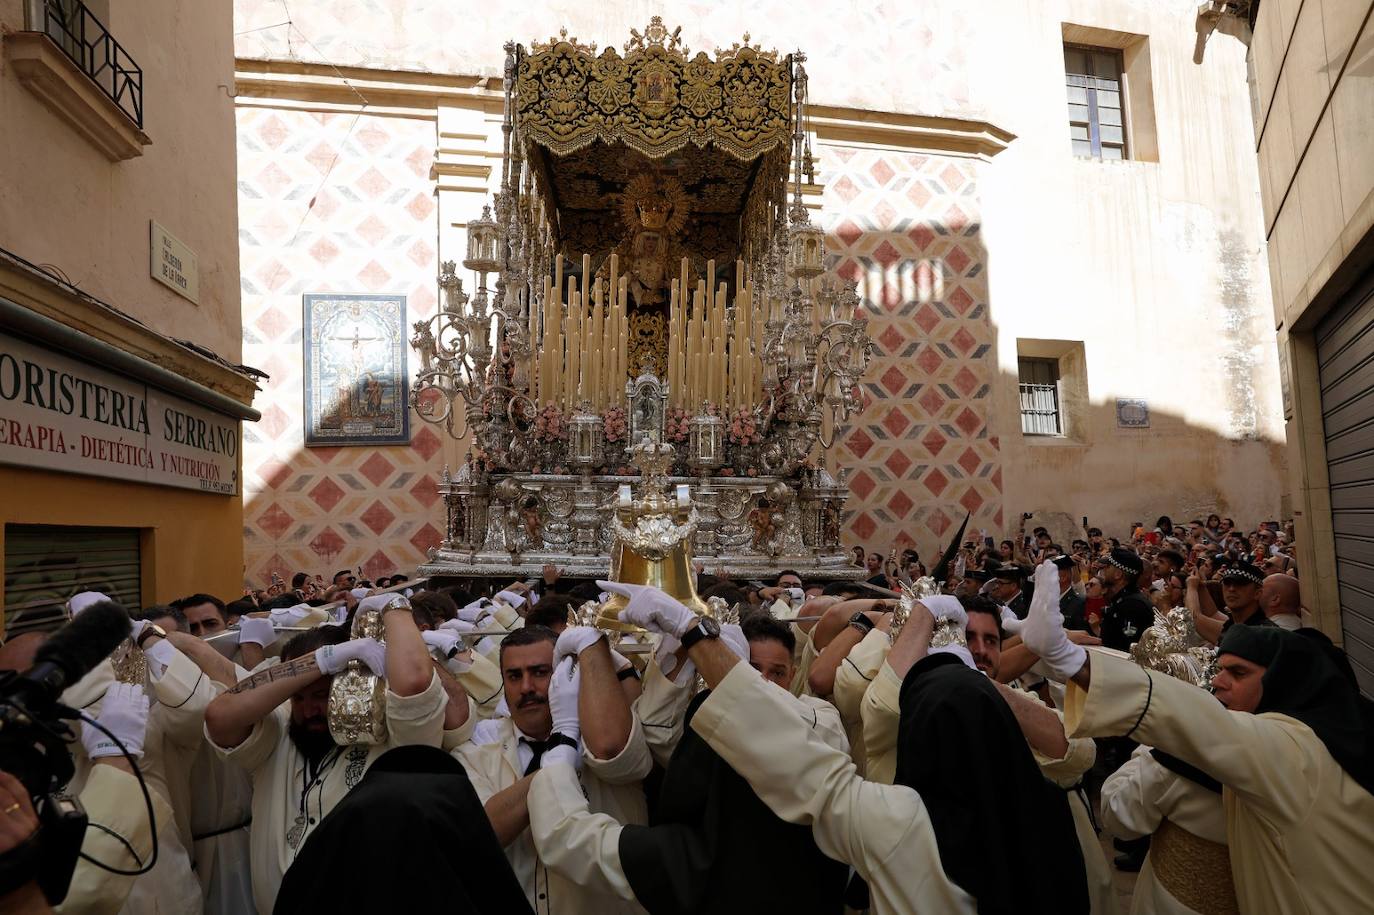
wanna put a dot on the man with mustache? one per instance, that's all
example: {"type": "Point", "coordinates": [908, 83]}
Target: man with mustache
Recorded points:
{"type": "Point", "coordinates": [611, 752]}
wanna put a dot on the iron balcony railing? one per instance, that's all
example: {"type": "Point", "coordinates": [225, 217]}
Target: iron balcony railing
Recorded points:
{"type": "Point", "coordinates": [1040, 409]}
{"type": "Point", "coordinates": [84, 39]}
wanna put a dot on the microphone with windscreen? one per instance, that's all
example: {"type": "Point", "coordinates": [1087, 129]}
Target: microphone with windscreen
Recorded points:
{"type": "Point", "coordinates": [69, 654]}
{"type": "Point", "coordinates": [33, 737]}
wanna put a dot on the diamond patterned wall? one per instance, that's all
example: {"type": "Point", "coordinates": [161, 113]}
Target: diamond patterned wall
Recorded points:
{"type": "Point", "coordinates": [331, 203]}
{"type": "Point", "coordinates": [334, 203]}
{"type": "Point", "coordinates": [906, 228]}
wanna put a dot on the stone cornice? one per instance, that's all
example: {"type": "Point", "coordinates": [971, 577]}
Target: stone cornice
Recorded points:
{"type": "Point", "coordinates": [407, 93]}
{"type": "Point", "coordinates": [918, 133]}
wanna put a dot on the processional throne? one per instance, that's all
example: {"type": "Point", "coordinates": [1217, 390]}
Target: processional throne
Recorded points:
{"type": "Point", "coordinates": [656, 281]}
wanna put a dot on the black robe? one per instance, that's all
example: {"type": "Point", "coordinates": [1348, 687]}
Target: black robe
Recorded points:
{"type": "Point", "coordinates": [1005, 833]}
{"type": "Point", "coordinates": [412, 837]}
{"type": "Point", "coordinates": [716, 848]}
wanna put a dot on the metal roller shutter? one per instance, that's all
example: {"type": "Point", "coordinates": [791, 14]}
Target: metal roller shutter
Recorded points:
{"type": "Point", "coordinates": [1345, 366]}
{"type": "Point", "coordinates": [47, 564]}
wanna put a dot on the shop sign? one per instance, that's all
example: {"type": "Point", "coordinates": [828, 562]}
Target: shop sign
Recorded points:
{"type": "Point", "coordinates": [60, 414]}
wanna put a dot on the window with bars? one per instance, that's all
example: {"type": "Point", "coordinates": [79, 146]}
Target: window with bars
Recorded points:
{"type": "Point", "coordinates": [1097, 122]}
{"type": "Point", "coordinates": [1040, 409]}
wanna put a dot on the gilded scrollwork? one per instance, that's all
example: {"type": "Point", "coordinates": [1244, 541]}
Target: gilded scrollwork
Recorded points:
{"type": "Point", "coordinates": [653, 98]}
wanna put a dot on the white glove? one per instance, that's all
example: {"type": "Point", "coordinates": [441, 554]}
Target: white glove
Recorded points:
{"type": "Point", "coordinates": [652, 609]}
{"type": "Point", "coordinates": [257, 631]}
{"type": "Point", "coordinates": [124, 713]}
{"type": "Point", "coordinates": [732, 636]}
{"type": "Point", "coordinates": [287, 616]}
{"type": "Point", "coordinates": [574, 640]}
{"type": "Point", "coordinates": [331, 659]}
{"type": "Point", "coordinates": [459, 626]}
{"type": "Point", "coordinates": [1043, 629]}
{"type": "Point", "coordinates": [619, 661]}
{"type": "Point", "coordinates": [380, 602]}
{"type": "Point", "coordinates": [563, 689]}
{"type": "Point", "coordinates": [475, 610]}
{"type": "Point", "coordinates": [83, 600]}
{"type": "Point", "coordinates": [360, 593]}
{"type": "Point", "coordinates": [511, 599]}
{"type": "Point", "coordinates": [1011, 623]}
{"type": "Point", "coordinates": [946, 607]}
{"type": "Point", "coordinates": [445, 641]}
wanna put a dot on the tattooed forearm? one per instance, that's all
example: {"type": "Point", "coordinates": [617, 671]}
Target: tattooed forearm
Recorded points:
{"type": "Point", "coordinates": [302, 665]}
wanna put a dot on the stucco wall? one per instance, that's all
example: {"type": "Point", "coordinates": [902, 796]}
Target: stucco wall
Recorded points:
{"type": "Point", "coordinates": [1313, 83]}
{"type": "Point", "coordinates": [1158, 267]}
{"type": "Point", "coordinates": [1312, 86]}
{"type": "Point", "coordinates": [63, 203]}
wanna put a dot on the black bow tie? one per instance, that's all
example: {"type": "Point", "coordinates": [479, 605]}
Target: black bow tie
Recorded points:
{"type": "Point", "coordinates": [540, 747]}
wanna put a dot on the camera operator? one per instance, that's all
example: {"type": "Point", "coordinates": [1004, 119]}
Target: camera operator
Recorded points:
{"type": "Point", "coordinates": [119, 833]}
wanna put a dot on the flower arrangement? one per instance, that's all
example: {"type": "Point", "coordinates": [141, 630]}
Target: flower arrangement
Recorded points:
{"type": "Point", "coordinates": [744, 428]}
{"type": "Point", "coordinates": [613, 424]}
{"type": "Point", "coordinates": [675, 424]}
{"type": "Point", "coordinates": [550, 425]}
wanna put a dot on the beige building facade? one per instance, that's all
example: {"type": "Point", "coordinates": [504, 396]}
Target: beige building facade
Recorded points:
{"type": "Point", "coordinates": [1051, 212]}
{"type": "Point", "coordinates": [121, 395]}
{"type": "Point", "coordinates": [1312, 87]}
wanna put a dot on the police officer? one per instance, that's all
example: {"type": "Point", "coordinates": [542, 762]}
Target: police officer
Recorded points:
{"type": "Point", "coordinates": [1005, 587]}
{"type": "Point", "coordinates": [1128, 612]}
{"type": "Point", "coordinates": [1072, 604]}
{"type": "Point", "coordinates": [1240, 591]}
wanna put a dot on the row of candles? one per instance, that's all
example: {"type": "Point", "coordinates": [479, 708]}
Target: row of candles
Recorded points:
{"type": "Point", "coordinates": [583, 353]}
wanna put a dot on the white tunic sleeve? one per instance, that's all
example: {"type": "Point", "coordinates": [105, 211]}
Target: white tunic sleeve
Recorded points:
{"type": "Point", "coordinates": [582, 846]}
{"type": "Point", "coordinates": [1267, 759]}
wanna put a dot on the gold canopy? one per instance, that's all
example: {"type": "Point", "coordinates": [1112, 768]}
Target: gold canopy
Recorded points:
{"type": "Point", "coordinates": [654, 99]}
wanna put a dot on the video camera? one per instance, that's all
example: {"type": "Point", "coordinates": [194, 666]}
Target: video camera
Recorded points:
{"type": "Point", "coordinates": [33, 746]}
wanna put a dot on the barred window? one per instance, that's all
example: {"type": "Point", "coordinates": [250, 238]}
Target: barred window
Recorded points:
{"type": "Point", "coordinates": [1040, 408]}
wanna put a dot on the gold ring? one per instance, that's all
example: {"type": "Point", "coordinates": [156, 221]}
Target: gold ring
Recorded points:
{"type": "Point", "coordinates": [12, 808]}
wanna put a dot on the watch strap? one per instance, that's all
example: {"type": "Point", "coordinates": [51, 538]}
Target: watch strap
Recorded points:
{"type": "Point", "coordinates": [697, 633]}
{"type": "Point", "coordinates": [150, 630]}
{"type": "Point", "coordinates": [861, 622]}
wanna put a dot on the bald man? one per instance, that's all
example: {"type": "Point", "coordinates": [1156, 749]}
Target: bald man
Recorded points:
{"type": "Point", "coordinates": [1281, 602]}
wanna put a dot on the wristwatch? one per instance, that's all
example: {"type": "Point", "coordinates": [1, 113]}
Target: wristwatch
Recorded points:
{"type": "Point", "coordinates": [706, 628]}
{"type": "Point", "coordinates": [861, 622]}
{"type": "Point", "coordinates": [150, 630]}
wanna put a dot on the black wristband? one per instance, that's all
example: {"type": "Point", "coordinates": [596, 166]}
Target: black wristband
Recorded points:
{"type": "Point", "coordinates": [557, 739]}
{"type": "Point", "coordinates": [861, 622]}
{"type": "Point", "coordinates": [628, 673]}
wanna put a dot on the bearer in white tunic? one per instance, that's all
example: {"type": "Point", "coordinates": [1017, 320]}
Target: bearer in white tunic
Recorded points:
{"type": "Point", "coordinates": [273, 725]}
{"type": "Point", "coordinates": [176, 684]}
{"type": "Point", "coordinates": [613, 753]}
{"type": "Point", "coordinates": [1289, 741]}
{"type": "Point", "coordinates": [1188, 869]}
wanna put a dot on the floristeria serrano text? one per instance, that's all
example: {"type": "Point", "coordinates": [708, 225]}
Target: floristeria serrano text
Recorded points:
{"type": "Point", "coordinates": [49, 388]}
